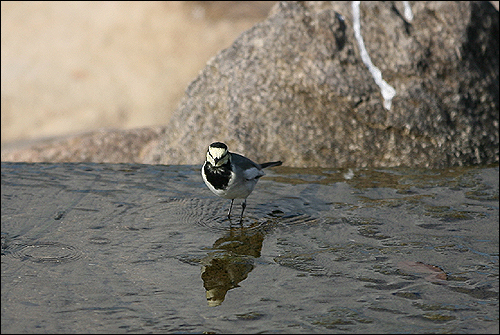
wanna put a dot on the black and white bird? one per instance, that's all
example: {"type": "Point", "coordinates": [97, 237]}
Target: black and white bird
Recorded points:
{"type": "Point", "coordinates": [231, 176]}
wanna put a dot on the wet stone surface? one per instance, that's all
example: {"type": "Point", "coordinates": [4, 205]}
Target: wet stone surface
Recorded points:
{"type": "Point", "coordinates": [142, 248]}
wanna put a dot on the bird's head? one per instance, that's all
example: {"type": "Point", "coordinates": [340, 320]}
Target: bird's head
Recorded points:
{"type": "Point", "coordinates": [217, 154]}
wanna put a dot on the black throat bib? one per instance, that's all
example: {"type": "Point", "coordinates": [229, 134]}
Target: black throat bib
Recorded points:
{"type": "Point", "coordinates": [218, 176]}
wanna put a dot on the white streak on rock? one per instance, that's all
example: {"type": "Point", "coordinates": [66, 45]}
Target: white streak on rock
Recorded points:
{"type": "Point", "coordinates": [408, 12]}
{"type": "Point", "coordinates": [388, 92]}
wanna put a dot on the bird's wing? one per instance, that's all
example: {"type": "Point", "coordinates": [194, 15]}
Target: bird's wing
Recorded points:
{"type": "Point", "coordinates": [249, 169]}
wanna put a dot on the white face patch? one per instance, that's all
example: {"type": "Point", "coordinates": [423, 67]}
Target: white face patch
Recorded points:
{"type": "Point", "coordinates": [217, 156]}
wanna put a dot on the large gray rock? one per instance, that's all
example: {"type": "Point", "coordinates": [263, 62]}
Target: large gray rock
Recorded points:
{"type": "Point", "coordinates": [294, 88]}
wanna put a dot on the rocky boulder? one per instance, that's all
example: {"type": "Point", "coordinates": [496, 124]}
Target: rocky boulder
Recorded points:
{"type": "Point", "coordinates": [295, 88]}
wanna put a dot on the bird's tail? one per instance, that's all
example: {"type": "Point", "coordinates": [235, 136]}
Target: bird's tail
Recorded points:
{"type": "Point", "coordinates": [269, 164]}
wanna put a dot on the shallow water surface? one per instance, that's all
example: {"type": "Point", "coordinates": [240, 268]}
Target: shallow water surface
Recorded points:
{"type": "Point", "coordinates": [140, 248]}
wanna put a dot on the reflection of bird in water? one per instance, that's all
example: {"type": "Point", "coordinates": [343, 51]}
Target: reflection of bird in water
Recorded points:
{"type": "Point", "coordinates": [222, 275]}
{"type": "Point", "coordinates": [230, 262]}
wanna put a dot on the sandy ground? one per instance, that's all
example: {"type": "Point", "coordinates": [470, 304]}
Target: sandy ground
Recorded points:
{"type": "Point", "coordinates": [72, 67]}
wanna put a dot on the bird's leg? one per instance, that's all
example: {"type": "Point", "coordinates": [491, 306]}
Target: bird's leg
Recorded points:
{"type": "Point", "coordinates": [230, 207]}
{"type": "Point", "coordinates": [243, 206]}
